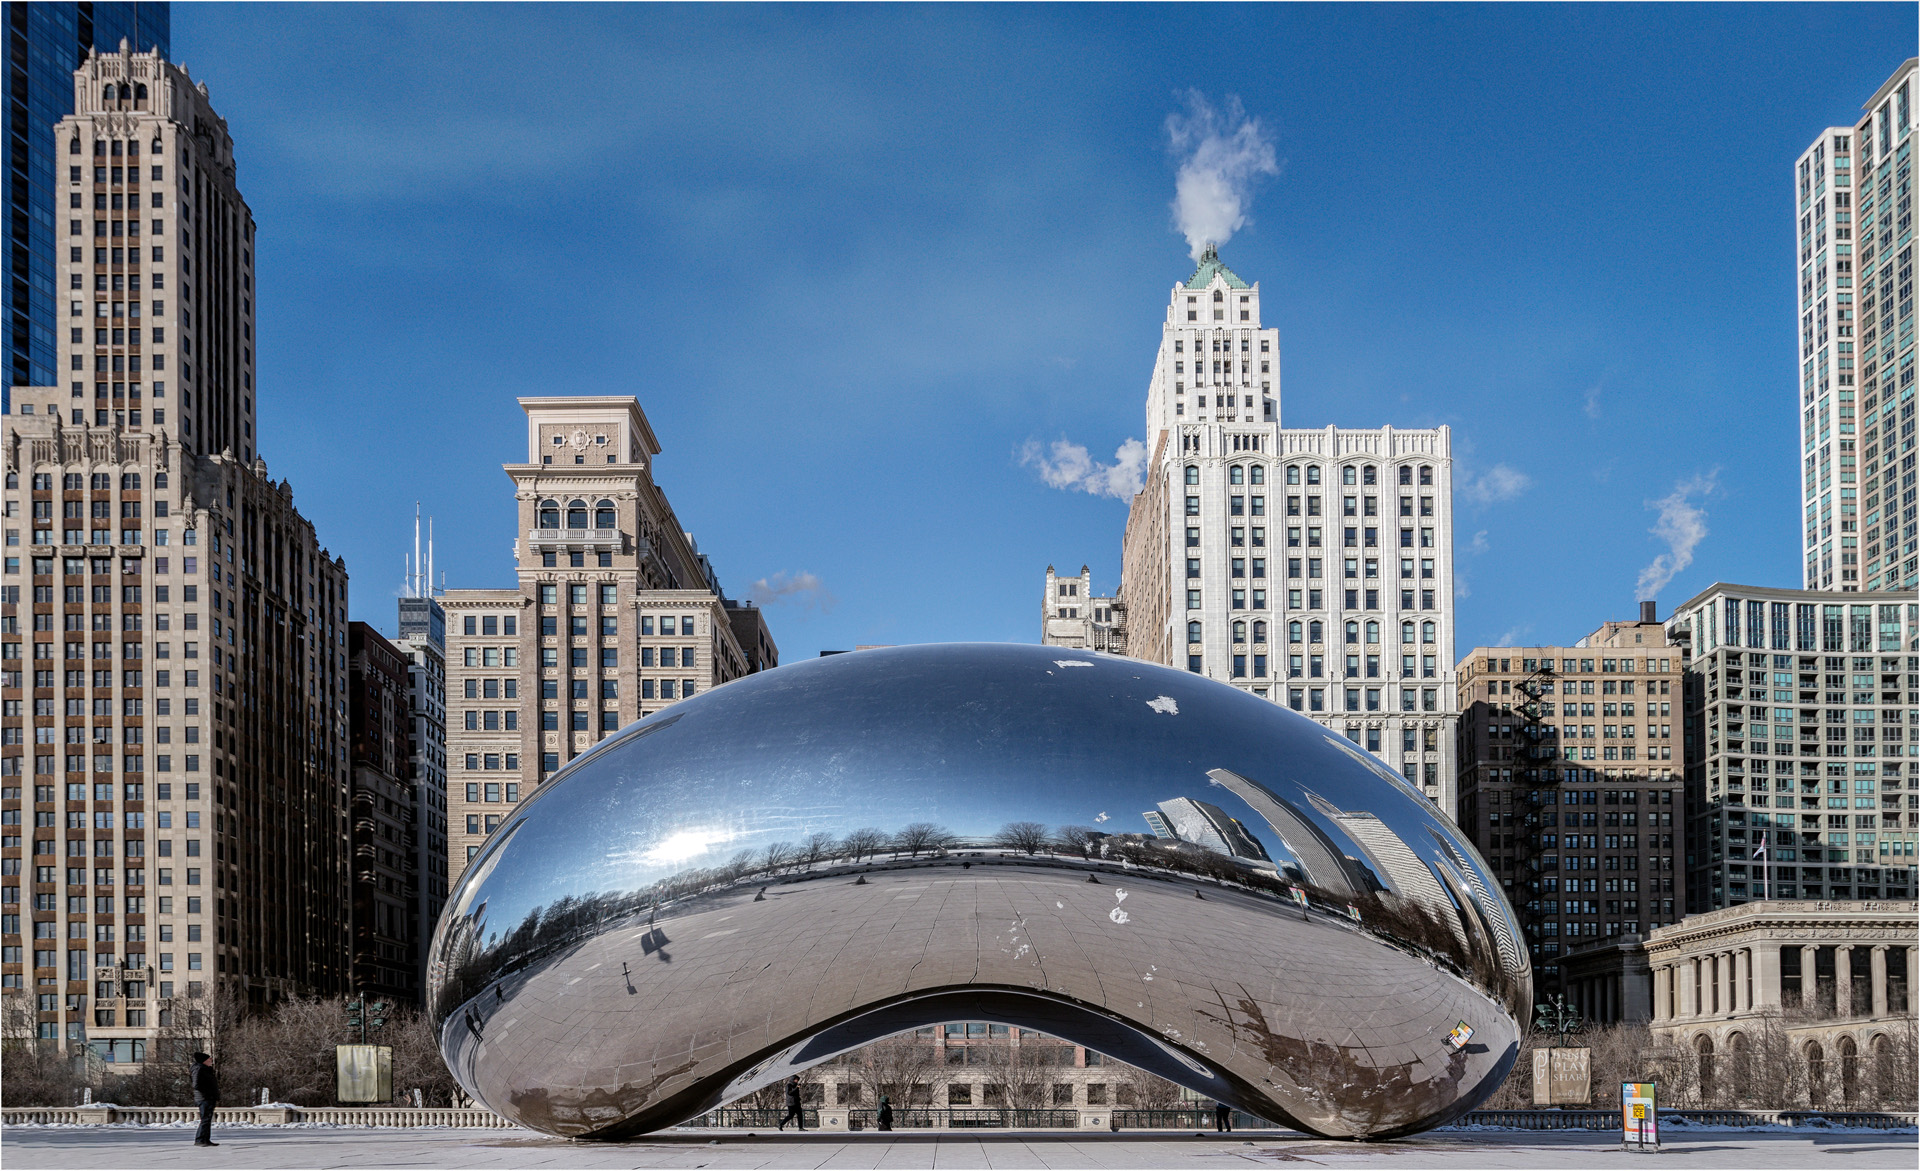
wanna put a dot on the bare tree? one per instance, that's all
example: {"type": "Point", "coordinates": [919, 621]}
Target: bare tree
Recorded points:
{"type": "Point", "coordinates": [1077, 839]}
{"type": "Point", "coordinates": [32, 1072]}
{"type": "Point", "coordinates": [1019, 1068]}
{"type": "Point", "coordinates": [919, 836]}
{"type": "Point", "coordinates": [1149, 1091]}
{"type": "Point", "coordinates": [778, 856]}
{"type": "Point", "coordinates": [1029, 837]}
{"type": "Point", "coordinates": [863, 842]}
{"type": "Point", "coordinates": [906, 1068]}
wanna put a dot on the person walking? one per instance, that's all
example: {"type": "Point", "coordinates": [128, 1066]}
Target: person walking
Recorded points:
{"type": "Point", "coordinates": [206, 1096]}
{"type": "Point", "coordinates": [886, 1113]}
{"type": "Point", "coordinates": [793, 1106]}
{"type": "Point", "coordinates": [1222, 1118]}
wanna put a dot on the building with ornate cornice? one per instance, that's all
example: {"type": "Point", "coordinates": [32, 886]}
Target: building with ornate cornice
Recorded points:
{"type": "Point", "coordinates": [1832, 980]}
{"type": "Point", "coordinates": [173, 658]}
{"type": "Point", "coordinates": [616, 615]}
{"type": "Point", "coordinates": [1312, 567]}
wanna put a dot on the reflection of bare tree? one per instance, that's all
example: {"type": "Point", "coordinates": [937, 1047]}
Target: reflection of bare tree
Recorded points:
{"type": "Point", "coordinates": [921, 836]}
{"type": "Point", "coordinates": [777, 857]}
{"type": "Point", "coordinates": [905, 1068]}
{"type": "Point", "coordinates": [863, 843]}
{"type": "Point", "coordinates": [1077, 839]}
{"type": "Point", "coordinates": [1028, 837]}
{"type": "Point", "coordinates": [817, 847]}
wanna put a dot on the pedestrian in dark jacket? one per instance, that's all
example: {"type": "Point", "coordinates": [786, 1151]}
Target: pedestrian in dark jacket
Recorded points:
{"type": "Point", "coordinates": [886, 1113]}
{"type": "Point", "coordinates": [793, 1114]}
{"type": "Point", "coordinates": [1222, 1117]}
{"type": "Point", "coordinates": [206, 1096]}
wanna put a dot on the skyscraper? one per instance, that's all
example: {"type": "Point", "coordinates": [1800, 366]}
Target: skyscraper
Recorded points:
{"type": "Point", "coordinates": [1311, 567]}
{"type": "Point", "coordinates": [616, 615]}
{"type": "Point", "coordinates": [423, 639]}
{"type": "Point", "coordinates": [1854, 199]}
{"type": "Point", "coordinates": [45, 43]}
{"type": "Point", "coordinates": [173, 638]}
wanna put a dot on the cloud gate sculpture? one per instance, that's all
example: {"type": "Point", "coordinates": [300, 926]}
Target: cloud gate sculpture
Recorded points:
{"type": "Point", "coordinates": [1156, 866]}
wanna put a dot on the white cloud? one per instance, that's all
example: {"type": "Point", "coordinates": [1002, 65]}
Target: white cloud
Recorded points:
{"type": "Point", "coordinates": [1498, 483]}
{"type": "Point", "coordinates": [1682, 525]}
{"type": "Point", "coordinates": [1592, 403]}
{"type": "Point", "coordinates": [801, 589]}
{"type": "Point", "coordinates": [1480, 543]}
{"type": "Point", "coordinates": [1514, 634]}
{"type": "Point", "coordinates": [1067, 466]}
{"type": "Point", "coordinates": [1220, 156]}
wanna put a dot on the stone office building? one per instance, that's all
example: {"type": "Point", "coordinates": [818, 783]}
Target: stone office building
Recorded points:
{"type": "Point", "coordinates": [173, 637]}
{"type": "Point", "coordinates": [1312, 567]}
{"type": "Point", "coordinates": [616, 615]}
{"type": "Point", "coordinates": [386, 881]}
{"type": "Point", "coordinates": [1072, 615]}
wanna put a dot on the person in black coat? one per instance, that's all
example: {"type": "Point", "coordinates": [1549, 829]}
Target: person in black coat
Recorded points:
{"type": "Point", "coordinates": [1223, 1117]}
{"type": "Point", "coordinates": [886, 1113]}
{"type": "Point", "coordinates": [206, 1096]}
{"type": "Point", "coordinates": [793, 1114]}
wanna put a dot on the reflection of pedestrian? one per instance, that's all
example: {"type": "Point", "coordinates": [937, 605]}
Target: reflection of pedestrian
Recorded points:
{"type": "Point", "coordinates": [793, 1114]}
{"type": "Point", "coordinates": [206, 1096]}
{"type": "Point", "coordinates": [886, 1113]}
{"type": "Point", "coordinates": [1223, 1118]}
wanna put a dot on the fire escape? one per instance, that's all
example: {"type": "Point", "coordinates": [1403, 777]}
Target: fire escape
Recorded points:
{"type": "Point", "coordinates": [1536, 779]}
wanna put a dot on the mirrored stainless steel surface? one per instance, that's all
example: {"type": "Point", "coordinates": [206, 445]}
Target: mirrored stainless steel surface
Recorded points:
{"type": "Point", "coordinates": [1159, 867]}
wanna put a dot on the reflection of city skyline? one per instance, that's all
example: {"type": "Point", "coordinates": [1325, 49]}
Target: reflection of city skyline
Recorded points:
{"type": "Point", "coordinates": [1208, 826]}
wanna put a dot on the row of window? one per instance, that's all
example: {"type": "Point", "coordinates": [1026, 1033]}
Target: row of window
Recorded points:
{"type": "Point", "coordinates": [1314, 599]}
{"type": "Point", "coordinates": [1365, 474]}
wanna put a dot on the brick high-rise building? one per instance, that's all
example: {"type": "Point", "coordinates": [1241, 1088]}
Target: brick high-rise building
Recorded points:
{"type": "Point", "coordinates": [423, 639]}
{"type": "Point", "coordinates": [617, 614]}
{"type": "Point", "coordinates": [1311, 567]}
{"type": "Point", "coordinates": [1570, 784]}
{"type": "Point", "coordinates": [386, 881]}
{"type": "Point", "coordinates": [173, 638]}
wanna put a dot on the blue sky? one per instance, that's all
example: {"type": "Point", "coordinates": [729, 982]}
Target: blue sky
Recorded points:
{"type": "Point", "coordinates": [853, 260]}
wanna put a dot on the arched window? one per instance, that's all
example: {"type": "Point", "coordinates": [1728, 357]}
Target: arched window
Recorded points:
{"type": "Point", "coordinates": [1373, 632]}
{"type": "Point", "coordinates": [603, 515]}
{"type": "Point", "coordinates": [106, 95]}
{"type": "Point", "coordinates": [139, 93]}
{"type": "Point", "coordinates": [1703, 1050]}
{"type": "Point", "coordinates": [1236, 474]}
{"type": "Point", "coordinates": [1849, 1073]}
{"type": "Point", "coordinates": [1816, 1075]}
{"type": "Point", "coordinates": [1314, 631]}
{"type": "Point", "coordinates": [1426, 632]}
{"type": "Point", "coordinates": [1347, 475]}
{"type": "Point", "coordinates": [73, 145]}
{"type": "Point", "coordinates": [1369, 474]}
{"type": "Point", "coordinates": [549, 514]}
{"type": "Point", "coordinates": [1293, 631]}
{"type": "Point", "coordinates": [1353, 632]}
{"type": "Point", "coordinates": [1193, 474]}
{"type": "Point", "coordinates": [1259, 632]}
{"type": "Point", "coordinates": [1239, 632]}
{"type": "Point", "coordinates": [1293, 474]}
{"type": "Point", "coordinates": [1313, 473]}
{"type": "Point", "coordinates": [1257, 473]}
{"type": "Point", "coordinates": [1193, 632]}
{"type": "Point", "coordinates": [1406, 633]}
{"type": "Point", "coordinates": [1426, 474]}
{"type": "Point", "coordinates": [1218, 297]}
{"type": "Point", "coordinates": [1739, 1072]}
{"type": "Point", "coordinates": [576, 514]}
{"type": "Point", "coordinates": [1406, 475]}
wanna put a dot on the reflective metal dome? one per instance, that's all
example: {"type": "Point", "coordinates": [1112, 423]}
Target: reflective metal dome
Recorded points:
{"type": "Point", "coordinates": [1159, 867]}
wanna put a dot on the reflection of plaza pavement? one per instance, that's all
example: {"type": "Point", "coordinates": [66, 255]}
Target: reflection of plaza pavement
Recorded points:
{"type": "Point", "coordinates": [165, 1148]}
{"type": "Point", "coordinates": [1351, 1031]}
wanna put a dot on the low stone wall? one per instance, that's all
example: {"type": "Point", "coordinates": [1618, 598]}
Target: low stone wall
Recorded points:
{"type": "Point", "coordinates": [922, 1119]}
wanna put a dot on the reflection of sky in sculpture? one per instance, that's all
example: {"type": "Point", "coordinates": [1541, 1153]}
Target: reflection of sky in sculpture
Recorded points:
{"type": "Point", "coordinates": [955, 735]}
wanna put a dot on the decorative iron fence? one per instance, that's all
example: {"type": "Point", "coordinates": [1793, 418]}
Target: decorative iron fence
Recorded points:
{"type": "Point", "coordinates": [962, 1118]}
{"type": "Point", "coordinates": [1182, 1120]}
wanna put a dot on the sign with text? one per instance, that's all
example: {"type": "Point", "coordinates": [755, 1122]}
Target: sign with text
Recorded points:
{"type": "Point", "coordinates": [1562, 1077]}
{"type": "Point", "coordinates": [364, 1072]}
{"type": "Point", "coordinates": [1640, 1120]}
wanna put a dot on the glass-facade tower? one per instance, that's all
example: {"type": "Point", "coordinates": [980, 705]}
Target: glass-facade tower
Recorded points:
{"type": "Point", "coordinates": [45, 43]}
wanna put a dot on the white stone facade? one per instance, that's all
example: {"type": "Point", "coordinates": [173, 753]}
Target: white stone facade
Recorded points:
{"type": "Point", "coordinates": [1312, 567]}
{"type": "Point", "coordinates": [1071, 615]}
{"type": "Point", "coordinates": [1853, 207]}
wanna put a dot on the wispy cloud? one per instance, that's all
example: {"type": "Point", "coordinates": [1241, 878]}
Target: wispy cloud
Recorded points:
{"type": "Point", "coordinates": [1498, 483]}
{"type": "Point", "coordinates": [1591, 405]}
{"type": "Point", "coordinates": [1682, 525]}
{"type": "Point", "coordinates": [1221, 154]}
{"type": "Point", "coordinates": [803, 590]}
{"type": "Point", "coordinates": [1514, 634]}
{"type": "Point", "coordinates": [1480, 543]}
{"type": "Point", "coordinates": [1067, 466]}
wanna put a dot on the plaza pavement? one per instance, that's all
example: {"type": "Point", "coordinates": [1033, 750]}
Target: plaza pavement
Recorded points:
{"type": "Point", "coordinates": [93, 1148]}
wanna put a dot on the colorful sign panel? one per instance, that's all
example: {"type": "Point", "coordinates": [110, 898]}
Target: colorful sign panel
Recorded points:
{"type": "Point", "coordinates": [1462, 1033]}
{"type": "Point", "coordinates": [1640, 1119]}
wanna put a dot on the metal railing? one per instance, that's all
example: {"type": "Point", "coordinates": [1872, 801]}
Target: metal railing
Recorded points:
{"type": "Point", "coordinates": [1182, 1120]}
{"type": "Point", "coordinates": [966, 1118]}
